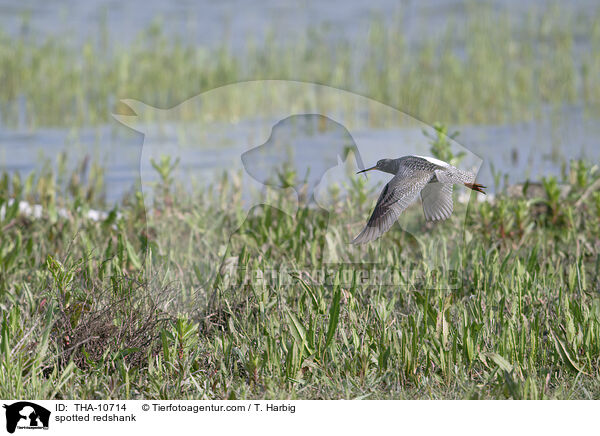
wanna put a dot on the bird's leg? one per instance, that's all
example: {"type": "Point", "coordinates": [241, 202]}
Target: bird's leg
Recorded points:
{"type": "Point", "coordinates": [475, 187]}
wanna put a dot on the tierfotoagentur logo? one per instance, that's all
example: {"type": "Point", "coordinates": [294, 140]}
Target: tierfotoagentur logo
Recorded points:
{"type": "Point", "coordinates": [292, 165]}
{"type": "Point", "coordinates": [25, 415]}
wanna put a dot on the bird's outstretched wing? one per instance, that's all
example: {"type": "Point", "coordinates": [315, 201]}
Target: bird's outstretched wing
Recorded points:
{"type": "Point", "coordinates": [437, 201]}
{"type": "Point", "coordinates": [397, 195]}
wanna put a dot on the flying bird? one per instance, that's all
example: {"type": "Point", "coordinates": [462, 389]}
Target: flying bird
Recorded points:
{"type": "Point", "coordinates": [414, 175]}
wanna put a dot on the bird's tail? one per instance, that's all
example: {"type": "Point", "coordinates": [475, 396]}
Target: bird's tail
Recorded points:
{"type": "Point", "coordinates": [476, 187]}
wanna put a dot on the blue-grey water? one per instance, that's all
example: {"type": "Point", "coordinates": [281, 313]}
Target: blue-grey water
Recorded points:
{"type": "Point", "coordinates": [528, 150]}
{"type": "Point", "coordinates": [209, 23]}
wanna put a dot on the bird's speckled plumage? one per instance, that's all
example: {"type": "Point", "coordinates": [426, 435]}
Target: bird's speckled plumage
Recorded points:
{"type": "Point", "coordinates": [414, 175]}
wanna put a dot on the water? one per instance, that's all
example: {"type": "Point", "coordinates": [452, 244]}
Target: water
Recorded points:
{"type": "Point", "coordinates": [208, 22]}
{"type": "Point", "coordinates": [522, 151]}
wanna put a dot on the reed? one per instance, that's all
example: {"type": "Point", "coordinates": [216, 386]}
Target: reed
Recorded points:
{"type": "Point", "coordinates": [496, 69]}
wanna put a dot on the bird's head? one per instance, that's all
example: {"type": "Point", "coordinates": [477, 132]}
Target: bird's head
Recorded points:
{"type": "Point", "coordinates": [382, 165]}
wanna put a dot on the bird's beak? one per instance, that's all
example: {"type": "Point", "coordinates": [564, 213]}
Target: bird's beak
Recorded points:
{"type": "Point", "coordinates": [368, 169]}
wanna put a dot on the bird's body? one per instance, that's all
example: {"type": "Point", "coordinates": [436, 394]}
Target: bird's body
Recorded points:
{"type": "Point", "coordinates": [414, 175]}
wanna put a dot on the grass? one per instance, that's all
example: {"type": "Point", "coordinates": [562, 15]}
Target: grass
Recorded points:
{"type": "Point", "coordinates": [131, 307]}
{"type": "Point", "coordinates": [497, 68]}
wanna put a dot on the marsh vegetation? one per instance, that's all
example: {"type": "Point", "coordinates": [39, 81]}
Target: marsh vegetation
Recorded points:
{"type": "Point", "coordinates": [100, 309]}
{"type": "Point", "coordinates": [104, 309]}
{"type": "Point", "coordinates": [495, 68]}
